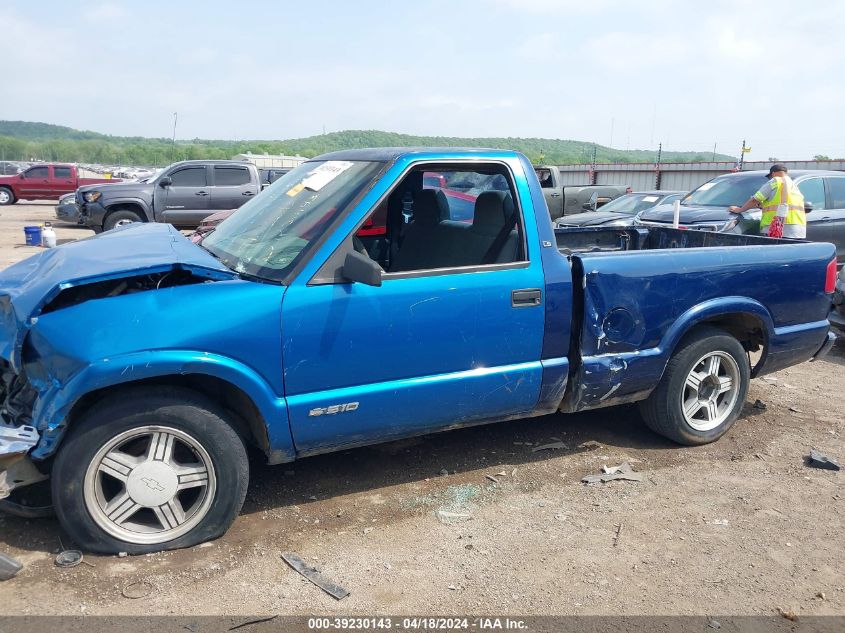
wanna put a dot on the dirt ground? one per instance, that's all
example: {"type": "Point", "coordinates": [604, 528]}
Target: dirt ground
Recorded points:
{"type": "Point", "coordinates": [476, 521]}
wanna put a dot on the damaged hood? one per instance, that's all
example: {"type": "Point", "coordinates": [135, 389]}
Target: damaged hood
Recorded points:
{"type": "Point", "coordinates": [690, 214]}
{"type": "Point", "coordinates": [137, 249]}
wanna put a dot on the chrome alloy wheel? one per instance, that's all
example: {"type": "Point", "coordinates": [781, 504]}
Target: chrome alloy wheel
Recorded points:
{"type": "Point", "coordinates": [124, 223]}
{"type": "Point", "coordinates": [710, 391]}
{"type": "Point", "coordinates": [149, 485]}
{"type": "Point", "coordinates": [5, 196]}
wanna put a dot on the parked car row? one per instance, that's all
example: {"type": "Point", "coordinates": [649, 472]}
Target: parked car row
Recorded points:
{"type": "Point", "coordinates": [622, 210]}
{"type": "Point", "coordinates": [706, 208]}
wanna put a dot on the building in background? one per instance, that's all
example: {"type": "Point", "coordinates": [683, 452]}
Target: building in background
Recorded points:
{"type": "Point", "coordinates": [270, 160]}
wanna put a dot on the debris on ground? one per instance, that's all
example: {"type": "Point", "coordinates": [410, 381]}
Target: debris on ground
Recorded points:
{"type": "Point", "coordinates": [137, 590]}
{"type": "Point", "coordinates": [714, 624]}
{"type": "Point", "coordinates": [795, 410]}
{"type": "Point", "coordinates": [616, 536]}
{"type": "Point", "coordinates": [69, 558]}
{"type": "Point", "coordinates": [820, 460]}
{"type": "Point", "coordinates": [444, 472]}
{"type": "Point", "coordinates": [122, 554]}
{"type": "Point", "coordinates": [821, 595]}
{"type": "Point", "coordinates": [492, 478]}
{"type": "Point", "coordinates": [611, 473]}
{"type": "Point", "coordinates": [722, 522]}
{"type": "Point", "coordinates": [759, 405]}
{"type": "Point", "coordinates": [452, 517]}
{"type": "Point", "coordinates": [789, 614]}
{"type": "Point", "coordinates": [553, 446]}
{"type": "Point", "coordinates": [300, 566]}
{"type": "Point", "coordinates": [589, 446]}
{"type": "Point", "coordinates": [9, 567]}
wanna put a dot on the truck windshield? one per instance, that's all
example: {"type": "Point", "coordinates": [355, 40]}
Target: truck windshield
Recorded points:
{"type": "Point", "coordinates": [631, 203]}
{"type": "Point", "coordinates": [270, 233]}
{"type": "Point", "coordinates": [725, 191]}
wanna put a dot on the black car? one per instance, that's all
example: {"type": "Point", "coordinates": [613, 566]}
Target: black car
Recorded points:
{"type": "Point", "coordinates": [269, 175]}
{"type": "Point", "coordinates": [706, 208]}
{"type": "Point", "coordinates": [622, 210]}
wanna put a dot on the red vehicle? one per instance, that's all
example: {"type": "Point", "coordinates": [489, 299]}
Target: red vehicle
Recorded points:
{"type": "Point", "coordinates": [45, 181]}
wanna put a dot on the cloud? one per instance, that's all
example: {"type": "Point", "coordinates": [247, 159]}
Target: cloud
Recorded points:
{"type": "Point", "coordinates": [104, 12]}
{"type": "Point", "coordinates": [542, 45]}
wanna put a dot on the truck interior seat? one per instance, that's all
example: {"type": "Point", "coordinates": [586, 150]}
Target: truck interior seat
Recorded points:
{"type": "Point", "coordinates": [492, 210]}
{"type": "Point", "coordinates": [425, 243]}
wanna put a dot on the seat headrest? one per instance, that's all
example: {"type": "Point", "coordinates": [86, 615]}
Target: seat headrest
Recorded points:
{"type": "Point", "coordinates": [492, 210]}
{"type": "Point", "coordinates": [430, 206]}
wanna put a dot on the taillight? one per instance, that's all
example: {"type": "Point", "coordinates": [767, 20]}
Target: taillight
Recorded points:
{"type": "Point", "coordinates": [830, 278]}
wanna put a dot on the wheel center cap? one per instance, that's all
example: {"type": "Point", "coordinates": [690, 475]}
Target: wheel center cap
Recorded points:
{"type": "Point", "coordinates": [152, 484]}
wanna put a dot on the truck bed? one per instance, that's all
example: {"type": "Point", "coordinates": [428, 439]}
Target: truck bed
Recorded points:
{"type": "Point", "coordinates": [600, 239]}
{"type": "Point", "coordinates": [630, 307]}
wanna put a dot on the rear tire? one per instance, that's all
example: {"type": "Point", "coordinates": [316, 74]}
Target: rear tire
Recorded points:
{"type": "Point", "coordinates": [120, 217]}
{"type": "Point", "coordinates": [702, 390]}
{"type": "Point", "coordinates": [149, 470]}
{"type": "Point", "coordinates": [6, 196]}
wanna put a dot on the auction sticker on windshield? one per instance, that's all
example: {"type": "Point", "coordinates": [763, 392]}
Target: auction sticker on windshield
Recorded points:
{"type": "Point", "coordinates": [325, 173]}
{"type": "Point", "coordinates": [650, 199]}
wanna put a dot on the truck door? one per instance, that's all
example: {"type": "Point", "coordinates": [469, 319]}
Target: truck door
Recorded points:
{"type": "Point", "coordinates": [828, 224]}
{"type": "Point", "coordinates": [35, 182]}
{"type": "Point", "coordinates": [233, 185]}
{"type": "Point", "coordinates": [552, 190]}
{"type": "Point", "coordinates": [185, 202]}
{"type": "Point", "coordinates": [453, 335]}
{"type": "Point", "coordinates": [63, 181]}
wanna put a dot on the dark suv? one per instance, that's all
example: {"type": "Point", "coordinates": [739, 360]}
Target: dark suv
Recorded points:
{"type": "Point", "coordinates": [183, 194]}
{"type": "Point", "coordinates": [706, 208]}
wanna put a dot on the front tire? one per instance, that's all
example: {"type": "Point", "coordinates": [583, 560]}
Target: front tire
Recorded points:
{"type": "Point", "coordinates": [152, 469]}
{"type": "Point", "coordinates": [6, 196]}
{"type": "Point", "coordinates": [702, 390]}
{"type": "Point", "coordinates": [121, 217]}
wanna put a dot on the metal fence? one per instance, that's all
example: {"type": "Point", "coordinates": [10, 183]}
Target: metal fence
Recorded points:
{"type": "Point", "coordinates": [672, 176]}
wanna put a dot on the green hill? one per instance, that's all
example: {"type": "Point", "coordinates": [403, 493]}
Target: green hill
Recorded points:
{"type": "Point", "coordinates": [24, 140]}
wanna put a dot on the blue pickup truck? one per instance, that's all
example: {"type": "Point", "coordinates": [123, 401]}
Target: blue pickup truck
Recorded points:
{"type": "Point", "coordinates": [347, 305]}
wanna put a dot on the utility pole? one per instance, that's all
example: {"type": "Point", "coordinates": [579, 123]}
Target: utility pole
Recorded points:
{"type": "Point", "coordinates": [173, 145]}
{"type": "Point", "coordinates": [593, 166]}
{"type": "Point", "coordinates": [657, 167]}
{"type": "Point", "coordinates": [714, 153]}
{"type": "Point", "coordinates": [742, 155]}
{"type": "Point", "coordinates": [612, 122]}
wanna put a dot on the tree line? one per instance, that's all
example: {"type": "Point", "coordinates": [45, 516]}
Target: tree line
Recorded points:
{"type": "Point", "coordinates": [21, 140]}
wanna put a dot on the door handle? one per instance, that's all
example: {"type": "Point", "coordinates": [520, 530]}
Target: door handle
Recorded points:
{"type": "Point", "coordinates": [201, 193]}
{"type": "Point", "coordinates": [526, 297]}
{"type": "Point", "coordinates": [248, 193]}
{"type": "Point", "coordinates": [555, 194]}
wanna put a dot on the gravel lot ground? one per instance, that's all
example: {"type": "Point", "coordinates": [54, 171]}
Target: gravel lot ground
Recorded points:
{"type": "Point", "coordinates": [741, 526]}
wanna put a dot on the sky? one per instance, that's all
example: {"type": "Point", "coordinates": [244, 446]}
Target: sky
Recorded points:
{"type": "Point", "coordinates": [632, 75]}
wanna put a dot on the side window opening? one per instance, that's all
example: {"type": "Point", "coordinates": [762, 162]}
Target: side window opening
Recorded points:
{"type": "Point", "coordinates": [450, 217]}
{"type": "Point", "coordinates": [189, 177]}
{"type": "Point", "coordinates": [37, 172]}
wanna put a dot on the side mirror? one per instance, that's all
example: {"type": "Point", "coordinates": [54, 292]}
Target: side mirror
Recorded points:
{"type": "Point", "coordinates": [165, 182]}
{"type": "Point", "coordinates": [358, 267]}
{"type": "Point", "coordinates": [593, 202]}
{"type": "Point", "coordinates": [808, 206]}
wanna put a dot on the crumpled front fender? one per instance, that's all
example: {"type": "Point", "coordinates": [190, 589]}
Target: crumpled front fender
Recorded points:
{"type": "Point", "coordinates": [56, 400]}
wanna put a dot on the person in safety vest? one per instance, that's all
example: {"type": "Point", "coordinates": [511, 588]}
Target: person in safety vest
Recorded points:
{"type": "Point", "coordinates": [782, 205]}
